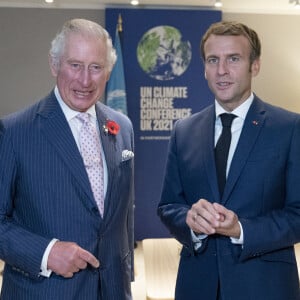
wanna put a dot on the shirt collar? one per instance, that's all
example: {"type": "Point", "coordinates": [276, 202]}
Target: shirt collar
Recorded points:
{"type": "Point", "coordinates": [68, 112]}
{"type": "Point", "coordinates": [241, 111]}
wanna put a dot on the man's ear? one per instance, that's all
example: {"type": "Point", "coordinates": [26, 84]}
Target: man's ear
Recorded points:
{"type": "Point", "coordinates": [255, 67]}
{"type": "Point", "coordinates": [53, 65]}
{"type": "Point", "coordinates": [107, 76]}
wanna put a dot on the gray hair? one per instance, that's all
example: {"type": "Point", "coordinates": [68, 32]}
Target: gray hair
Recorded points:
{"type": "Point", "coordinates": [85, 27]}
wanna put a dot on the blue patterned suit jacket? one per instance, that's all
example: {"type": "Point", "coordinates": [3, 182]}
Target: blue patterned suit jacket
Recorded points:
{"type": "Point", "coordinates": [45, 194]}
{"type": "Point", "coordinates": [263, 188]}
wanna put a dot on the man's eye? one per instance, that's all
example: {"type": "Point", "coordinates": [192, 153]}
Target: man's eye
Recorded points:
{"type": "Point", "coordinates": [212, 60]}
{"type": "Point", "coordinates": [75, 66]}
{"type": "Point", "coordinates": [234, 59]}
{"type": "Point", "coordinates": [95, 68]}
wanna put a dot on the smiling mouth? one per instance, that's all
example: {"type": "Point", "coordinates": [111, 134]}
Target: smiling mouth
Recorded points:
{"type": "Point", "coordinates": [82, 93]}
{"type": "Point", "coordinates": [224, 84]}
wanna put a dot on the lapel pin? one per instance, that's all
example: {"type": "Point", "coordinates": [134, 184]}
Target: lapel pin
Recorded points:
{"type": "Point", "coordinates": [254, 122]}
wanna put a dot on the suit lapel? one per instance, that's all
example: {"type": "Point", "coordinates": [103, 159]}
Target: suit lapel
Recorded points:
{"type": "Point", "coordinates": [208, 153]}
{"type": "Point", "coordinates": [56, 129]}
{"type": "Point", "coordinates": [252, 126]}
{"type": "Point", "coordinates": [112, 154]}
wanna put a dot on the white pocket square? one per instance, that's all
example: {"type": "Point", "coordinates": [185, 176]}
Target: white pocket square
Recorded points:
{"type": "Point", "coordinates": [127, 154]}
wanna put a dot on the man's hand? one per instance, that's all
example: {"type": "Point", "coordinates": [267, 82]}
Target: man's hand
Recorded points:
{"type": "Point", "coordinates": [67, 258]}
{"type": "Point", "coordinates": [212, 218]}
{"type": "Point", "coordinates": [229, 225]}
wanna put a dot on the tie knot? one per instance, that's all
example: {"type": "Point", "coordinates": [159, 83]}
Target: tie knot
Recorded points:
{"type": "Point", "coordinates": [227, 119]}
{"type": "Point", "coordinates": [83, 117]}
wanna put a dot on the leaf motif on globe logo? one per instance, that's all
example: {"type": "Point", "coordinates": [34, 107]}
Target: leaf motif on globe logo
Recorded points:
{"type": "Point", "coordinates": [162, 53]}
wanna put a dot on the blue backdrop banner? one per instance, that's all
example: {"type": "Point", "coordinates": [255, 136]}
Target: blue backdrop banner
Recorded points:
{"type": "Point", "coordinates": [164, 77]}
{"type": "Point", "coordinates": [116, 90]}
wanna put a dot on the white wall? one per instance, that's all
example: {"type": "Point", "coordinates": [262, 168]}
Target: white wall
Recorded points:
{"type": "Point", "coordinates": [279, 78]}
{"type": "Point", "coordinates": [25, 37]}
{"type": "Point", "coordinates": [26, 33]}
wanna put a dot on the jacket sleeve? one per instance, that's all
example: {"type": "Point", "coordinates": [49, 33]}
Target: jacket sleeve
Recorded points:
{"type": "Point", "coordinates": [278, 228]}
{"type": "Point", "coordinates": [19, 248]}
{"type": "Point", "coordinates": [173, 208]}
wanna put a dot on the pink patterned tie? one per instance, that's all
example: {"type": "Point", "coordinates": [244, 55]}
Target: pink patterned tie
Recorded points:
{"type": "Point", "coordinates": [91, 153]}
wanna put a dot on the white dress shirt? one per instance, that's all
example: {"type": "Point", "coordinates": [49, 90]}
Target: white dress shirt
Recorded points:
{"type": "Point", "coordinates": [236, 129]}
{"type": "Point", "coordinates": [75, 125]}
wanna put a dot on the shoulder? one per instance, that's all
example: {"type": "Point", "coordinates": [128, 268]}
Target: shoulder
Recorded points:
{"type": "Point", "coordinates": [114, 115]}
{"type": "Point", "coordinates": [275, 121]}
{"type": "Point", "coordinates": [22, 117]}
{"type": "Point", "coordinates": [276, 113]}
{"type": "Point", "coordinates": [125, 132]}
{"type": "Point", "coordinates": [27, 115]}
{"type": "Point", "coordinates": [202, 118]}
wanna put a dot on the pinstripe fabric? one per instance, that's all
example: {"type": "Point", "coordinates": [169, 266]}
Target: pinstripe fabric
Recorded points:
{"type": "Point", "coordinates": [45, 194]}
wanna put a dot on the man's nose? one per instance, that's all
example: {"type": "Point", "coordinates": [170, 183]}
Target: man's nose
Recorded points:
{"type": "Point", "coordinates": [85, 76]}
{"type": "Point", "coordinates": [222, 67]}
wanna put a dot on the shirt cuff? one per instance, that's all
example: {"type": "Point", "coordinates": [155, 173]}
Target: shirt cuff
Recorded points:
{"type": "Point", "coordinates": [197, 239]}
{"type": "Point", "coordinates": [44, 271]}
{"type": "Point", "coordinates": [240, 240]}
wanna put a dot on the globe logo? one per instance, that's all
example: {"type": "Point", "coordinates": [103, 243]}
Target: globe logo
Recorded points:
{"type": "Point", "coordinates": [162, 54]}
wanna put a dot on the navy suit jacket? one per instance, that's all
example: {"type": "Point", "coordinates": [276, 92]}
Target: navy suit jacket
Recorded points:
{"type": "Point", "coordinates": [45, 193]}
{"type": "Point", "coordinates": [263, 189]}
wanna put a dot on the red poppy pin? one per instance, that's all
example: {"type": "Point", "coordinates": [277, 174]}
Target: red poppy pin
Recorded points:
{"type": "Point", "coordinates": [111, 127]}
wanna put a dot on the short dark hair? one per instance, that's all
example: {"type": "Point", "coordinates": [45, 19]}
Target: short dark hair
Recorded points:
{"type": "Point", "coordinates": [233, 28]}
